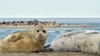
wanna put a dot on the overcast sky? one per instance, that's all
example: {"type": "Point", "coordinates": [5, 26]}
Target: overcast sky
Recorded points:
{"type": "Point", "coordinates": [50, 8]}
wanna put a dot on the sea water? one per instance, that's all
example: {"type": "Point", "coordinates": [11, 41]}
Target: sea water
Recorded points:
{"type": "Point", "coordinates": [52, 32]}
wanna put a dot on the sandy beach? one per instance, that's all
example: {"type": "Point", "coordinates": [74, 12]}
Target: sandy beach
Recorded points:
{"type": "Point", "coordinates": [48, 54]}
{"type": "Point", "coordinates": [31, 26]}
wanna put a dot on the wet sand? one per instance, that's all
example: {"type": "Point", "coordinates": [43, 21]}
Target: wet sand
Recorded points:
{"type": "Point", "coordinates": [48, 54]}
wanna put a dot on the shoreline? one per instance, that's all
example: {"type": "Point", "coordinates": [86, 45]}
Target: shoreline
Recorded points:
{"type": "Point", "coordinates": [31, 26]}
{"type": "Point", "coordinates": [48, 54]}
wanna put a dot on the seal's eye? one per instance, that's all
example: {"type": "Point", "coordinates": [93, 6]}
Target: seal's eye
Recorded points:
{"type": "Point", "coordinates": [44, 31]}
{"type": "Point", "coordinates": [37, 31]}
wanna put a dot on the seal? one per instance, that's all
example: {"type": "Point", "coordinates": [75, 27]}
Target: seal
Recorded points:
{"type": "Point", "coordinates": [69, 42]}
{"type": "Point", "coordinates": [24, 41]}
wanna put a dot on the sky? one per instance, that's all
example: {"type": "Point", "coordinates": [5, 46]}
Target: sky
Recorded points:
{"type": "Point", "coordinates": [50, 8]}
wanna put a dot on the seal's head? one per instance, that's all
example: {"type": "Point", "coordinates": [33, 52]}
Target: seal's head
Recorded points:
{"type": "Point", "coordinates": [41, 32]}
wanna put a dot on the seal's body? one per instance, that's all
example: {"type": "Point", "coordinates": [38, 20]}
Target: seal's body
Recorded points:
{"type": "Point", "coordinates": [92, 44]}
{"type": "Point", "coordinates": [24, 41]}
{"type": "Point", "coordinates": [87, 42]}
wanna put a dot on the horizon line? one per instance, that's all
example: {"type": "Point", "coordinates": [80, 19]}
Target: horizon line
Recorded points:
{"type": "Point", "coordinates": [49, 17]}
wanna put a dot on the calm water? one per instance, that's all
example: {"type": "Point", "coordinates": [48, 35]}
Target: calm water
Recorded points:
{"type": "Point", "coordinates": [52, 32]}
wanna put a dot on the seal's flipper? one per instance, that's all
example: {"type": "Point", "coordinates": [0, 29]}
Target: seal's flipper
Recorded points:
{"type": "Point", "coordinates": [47, 50]}
{"type": "Point", "coordinates": [47, 46]}
{"type": "Point", "coordinates": [12, 37]}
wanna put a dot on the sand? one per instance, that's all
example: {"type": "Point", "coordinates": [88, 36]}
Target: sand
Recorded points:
{"type": "Point", "coordinates": [48, 54]}
{"type": "Point", "coordinates": [31, 26]}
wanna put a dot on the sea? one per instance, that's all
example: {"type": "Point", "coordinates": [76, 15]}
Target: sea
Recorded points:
{"type": "Point", "coordinates": [52, 32]}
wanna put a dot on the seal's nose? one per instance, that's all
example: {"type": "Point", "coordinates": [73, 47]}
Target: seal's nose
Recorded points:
{"type": "Point", "coordinates": [40, 36]}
